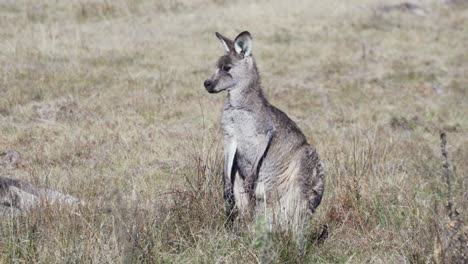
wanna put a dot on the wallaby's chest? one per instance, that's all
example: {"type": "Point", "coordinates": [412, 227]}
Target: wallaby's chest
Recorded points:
{"type": "Point", "coordinates": [240, 131]}
{"type": "Point", "coordinates": [240, 125]}
{"type": "Point", "coordinates": [243, 128]}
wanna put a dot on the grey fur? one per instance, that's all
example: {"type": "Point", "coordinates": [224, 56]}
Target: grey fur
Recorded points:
{"type": "Point", "coordinates": [270, 169]}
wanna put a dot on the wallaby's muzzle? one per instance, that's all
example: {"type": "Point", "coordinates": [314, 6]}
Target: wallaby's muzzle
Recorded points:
{"type": "Point", "coordinates": [210, 85]}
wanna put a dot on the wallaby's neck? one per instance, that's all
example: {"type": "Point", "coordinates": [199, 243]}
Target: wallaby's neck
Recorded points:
{"type": "Point", "coordinates": [248, 93]}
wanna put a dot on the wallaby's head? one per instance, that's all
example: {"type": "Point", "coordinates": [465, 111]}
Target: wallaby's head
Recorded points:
{"type": "Point", "coordinates": [236, 68]}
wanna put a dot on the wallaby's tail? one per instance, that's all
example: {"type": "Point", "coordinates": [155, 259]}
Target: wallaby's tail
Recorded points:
{"type": "Point", "coordinates": [319, 186]}
{"type": "Point", "coordinates": [317, 179]}
{"type": "Point", "coordinates": [324, 235]}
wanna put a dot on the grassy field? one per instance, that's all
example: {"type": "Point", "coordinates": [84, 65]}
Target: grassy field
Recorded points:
{"type": "Point", "coordinates": [104, 100]}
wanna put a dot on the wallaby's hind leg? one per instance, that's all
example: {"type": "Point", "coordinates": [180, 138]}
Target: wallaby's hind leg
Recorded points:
{"type": "Point", "coordinates": [291, 213]}
{"type": "Point", "coordinates": [241, 197]}
{"type": "Point", "coordinates": [303, 193]}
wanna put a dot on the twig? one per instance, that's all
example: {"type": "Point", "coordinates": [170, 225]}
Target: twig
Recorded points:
{"type": "Point", "coordinates": [446, 172]}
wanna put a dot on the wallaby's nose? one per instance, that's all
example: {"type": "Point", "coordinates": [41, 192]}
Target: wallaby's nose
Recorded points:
{"type": "Point", "coordinates": [207, 83]}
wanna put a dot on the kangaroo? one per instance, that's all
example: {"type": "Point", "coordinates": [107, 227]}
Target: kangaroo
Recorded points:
{"type": "Point", "coordinates": [270, 170]}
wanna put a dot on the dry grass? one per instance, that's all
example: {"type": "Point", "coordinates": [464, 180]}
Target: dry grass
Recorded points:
{"type": "Point", "coordinates": [104, 100]}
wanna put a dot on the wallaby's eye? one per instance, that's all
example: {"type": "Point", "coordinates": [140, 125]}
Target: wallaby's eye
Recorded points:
{"type": "Point", "coordinates": [226, 68]}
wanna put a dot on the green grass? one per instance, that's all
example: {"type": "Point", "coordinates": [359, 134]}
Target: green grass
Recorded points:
{"type": "Point", "coordinates": [104, 100]}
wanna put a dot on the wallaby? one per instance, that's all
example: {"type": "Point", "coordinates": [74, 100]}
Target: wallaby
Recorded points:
{"type": "Point", "coordinates": [270, 170]}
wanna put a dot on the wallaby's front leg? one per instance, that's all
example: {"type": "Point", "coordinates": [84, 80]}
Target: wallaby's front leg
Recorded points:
{"type": "Point", "coordinates": [230, 171]}
{"type": "Point", "coordinates": [250, 182]}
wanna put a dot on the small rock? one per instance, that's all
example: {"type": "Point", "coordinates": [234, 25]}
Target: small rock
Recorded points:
{"type": "Point", "coordinates": [57, 110]}
{"type": "Point", "coordinates": [404, 123]}
{"type": "Point", "coordinates": [456, 2]}
{"type": "Point", "coordinates": [437, 89]}
{"type": "Point", "coordinates": [10, 159]}
{"type": "Point", "coordinates": [404, 7]}
{"type": "Point", "coordinates": [429, 89]}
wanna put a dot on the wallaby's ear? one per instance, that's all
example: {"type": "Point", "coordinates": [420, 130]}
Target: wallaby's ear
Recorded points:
{"type": "Point", "coordinates": [243, 44]}
{"type": "Point", "coordinates": [227, 43]}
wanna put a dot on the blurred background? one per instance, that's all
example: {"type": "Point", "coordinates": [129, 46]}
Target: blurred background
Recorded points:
{"type": "Point", "coordinates": [104, 100]}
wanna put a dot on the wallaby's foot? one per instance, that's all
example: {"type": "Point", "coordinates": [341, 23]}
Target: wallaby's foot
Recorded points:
{"type": "Point", "coordinates": [230, 209]}
{"type": "Point", "coordinates": [249, 188]}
